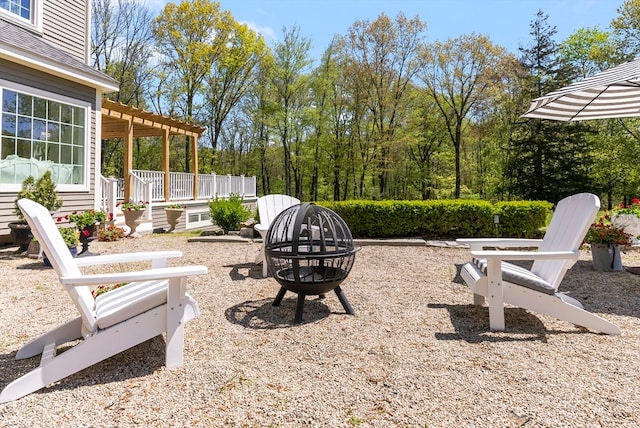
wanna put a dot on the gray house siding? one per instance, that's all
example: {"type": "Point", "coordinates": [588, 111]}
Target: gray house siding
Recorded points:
{"type": "Point", "coordinates": [33, 78]}
{"type": "Point", "coordinates": [64, 26]}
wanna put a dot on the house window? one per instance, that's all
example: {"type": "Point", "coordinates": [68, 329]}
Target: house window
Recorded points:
{"type": "Point", "coordinates": [23, 12]}
{"type": "Point", "coordinates": [22, 8]}
{"type": "Point", "coordinates": [40, 134]}
{"type": "Point", "coordinates": [198, 219]}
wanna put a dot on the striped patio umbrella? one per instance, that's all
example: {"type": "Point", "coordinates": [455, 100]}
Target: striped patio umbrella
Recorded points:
{"type": "Point", "coordinates": [609, 94]}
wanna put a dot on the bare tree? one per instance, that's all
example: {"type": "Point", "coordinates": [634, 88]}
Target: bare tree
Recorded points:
{"type": "Point", "coordinates": [121, 46]}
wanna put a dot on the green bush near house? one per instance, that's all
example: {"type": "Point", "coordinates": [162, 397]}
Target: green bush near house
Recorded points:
{"type": "Point", "coordinates": [442, 219]}
{"type": "Point", "coordinates": [42, 190]}
{"type": "Point", "coordinates": [228, 213]}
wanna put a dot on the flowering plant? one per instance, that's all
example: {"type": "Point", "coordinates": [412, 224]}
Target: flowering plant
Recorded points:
{"type": "Point", "coordinates": [132, 206]}
{"type": "Point", "coordinates": [101, 289]}
{"type": "Point", "coordinates": [603, 232]}
{"type": "Point", "coordinates": [633, 209]}
{"type": "Point", "coordinates": [111, 233]}
{"type": "Point", "coordinates": [175, 206]}
{"type": "Point", "coordinates": [86, 218]}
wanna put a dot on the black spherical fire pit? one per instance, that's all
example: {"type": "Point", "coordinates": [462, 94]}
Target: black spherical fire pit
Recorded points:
{"type": "Point", "coordinates": [309, 250]}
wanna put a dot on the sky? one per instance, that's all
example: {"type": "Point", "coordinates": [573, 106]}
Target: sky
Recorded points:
{"type": "Point", "coordinates": [505, 22]}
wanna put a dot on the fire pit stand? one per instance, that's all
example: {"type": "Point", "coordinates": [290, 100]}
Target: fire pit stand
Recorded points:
{"type": "Point", "coordinates": [309, 250]}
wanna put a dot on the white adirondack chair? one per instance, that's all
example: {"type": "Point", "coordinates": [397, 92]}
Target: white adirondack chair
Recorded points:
{"type": "Point", "coordinates": [152, 302]}
{"type": "Point", "coordinates": [488, 275]}
{"type": "Point", "coordinates": [269, 206]}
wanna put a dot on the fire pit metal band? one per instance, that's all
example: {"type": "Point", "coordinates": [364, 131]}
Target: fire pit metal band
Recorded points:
{"type": "Point", "coordinates": [310, 251]}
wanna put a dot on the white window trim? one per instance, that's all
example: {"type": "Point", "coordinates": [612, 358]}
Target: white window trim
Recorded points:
{"type": "Point", "coordinates": [12, 188]}
{"type": "Point", "coordinates": [197, 224]}
{"type": "Point", "coordinates": [35, 24]}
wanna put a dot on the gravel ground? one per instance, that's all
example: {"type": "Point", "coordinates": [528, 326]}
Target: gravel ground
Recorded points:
{"type": "Point", "coordinates": [415, 354]}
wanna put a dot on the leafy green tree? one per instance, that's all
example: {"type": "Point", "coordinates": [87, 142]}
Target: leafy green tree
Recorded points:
{"type": "Point", "coordinates": [626, 30]}
{"type": "Point", "coordinates": [613, 142]}
{"type": "Point", "coordinates": [290, 84]}
{"type": "Point", "coordinates": [548, 160]}
{"type": "Point", "coordinates": [190, 37]}
{"type": "Point", "coordinates": [387, 56]}
{"type": "Point", "coordinates": [460, 75]}
{"type": "Point", "coordinates": [589, 50]}
{"type": "Point", "coordinates": [426, 139]}
{"type": "Point", "coordinates": [230, 78]}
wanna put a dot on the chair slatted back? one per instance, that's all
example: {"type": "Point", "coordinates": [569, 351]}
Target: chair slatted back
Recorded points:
{"type": "Point", "coordinates": [569, 225]}
{"type": "Point", "coordinates": [269, 206]}
{"type": "Point", "coordinates": [44, 229]}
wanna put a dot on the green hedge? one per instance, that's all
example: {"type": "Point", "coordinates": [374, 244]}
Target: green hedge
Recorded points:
{"type": "Point", "coordinates": [441, 219]}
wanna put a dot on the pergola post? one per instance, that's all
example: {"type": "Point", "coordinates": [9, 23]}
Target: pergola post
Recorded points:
{"type": "Point", "coordinates": [194, 162]}
{"type": "Point", "coordinates": [165, 164]}
{"type": "Point", "coordinates": [128, 159]}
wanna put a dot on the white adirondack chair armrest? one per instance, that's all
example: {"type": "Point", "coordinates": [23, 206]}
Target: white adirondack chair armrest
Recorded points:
{"type": "Point", "coordinates": [480, 243]}
{"type": "Point", "coordinates": [126, 258]}
{"type": "Point", "coordinates": [144, 275]}
{"type": "Point", "coordinates": [526, 255]}
{"type": "Point", "coordinates": [261, 227]}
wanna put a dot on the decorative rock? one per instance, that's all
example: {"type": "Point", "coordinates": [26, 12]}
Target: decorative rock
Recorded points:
{"type": "Point", "coordinates": [246, 232]}
{"type": "Point", "coordinates": [248, 223]}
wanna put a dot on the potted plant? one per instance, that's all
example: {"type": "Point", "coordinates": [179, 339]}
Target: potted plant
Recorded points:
{"type": "Point", "coordinates": [71, 237]}
{"type": "Point", "coordinates": [87, 219]}
{"type": "Point", "coordinates": [606, 241]}
{"type": "Point", "coordinates": [43, 191]}
{"type": "Point", "coordinates": [173, 213]}
{"type": "Point", "coordinates": [132, 212]}
{"type": "Point", "coordinates": [627, 217]}
{"type": "Point", "coordinates": [86, 223]}
{"type": "Point", "coordinates": [228, 213]}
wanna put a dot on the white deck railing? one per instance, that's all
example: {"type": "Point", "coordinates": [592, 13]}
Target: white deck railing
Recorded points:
{"type": "Point", "coordinates": [148, 186]}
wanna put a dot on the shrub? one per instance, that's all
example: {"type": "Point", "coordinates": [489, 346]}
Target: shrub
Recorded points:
{"type": "Point", "coordinates": [228, 213]}
{"type": "Point", "coordinates": [522, 219]}
{"type": "Point", "coordinates": [42, 191]}
{"type": "Point", "coordinates": [442, 219]}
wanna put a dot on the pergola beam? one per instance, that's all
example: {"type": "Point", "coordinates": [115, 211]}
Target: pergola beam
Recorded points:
{"type": "Point", "coordinates": [127, 122]}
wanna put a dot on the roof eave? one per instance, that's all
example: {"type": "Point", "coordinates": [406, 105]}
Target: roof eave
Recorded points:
{"type": "Point", "coordinates": [103, 85]}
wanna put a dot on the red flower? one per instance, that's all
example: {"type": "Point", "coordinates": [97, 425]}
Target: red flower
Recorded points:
{"type": "Point", "coordinates": [635, 201]}
{"type": "Point", "coordinates": [86, 233]}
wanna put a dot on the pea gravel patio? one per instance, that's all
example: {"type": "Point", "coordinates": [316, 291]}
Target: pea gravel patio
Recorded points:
{"type": "Point", "coordinates": [415, 354]}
